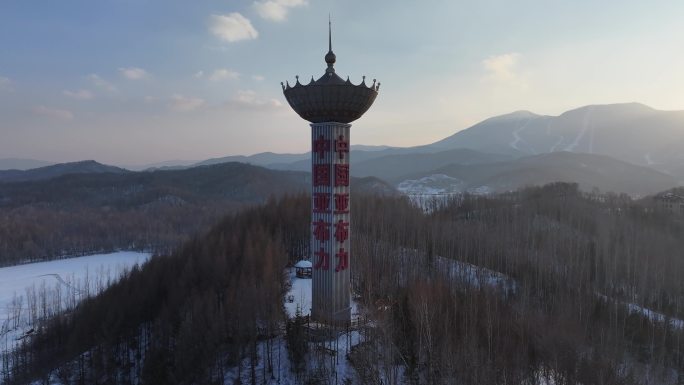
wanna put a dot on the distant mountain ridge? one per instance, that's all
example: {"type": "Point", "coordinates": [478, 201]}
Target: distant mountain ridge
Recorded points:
{"type": "Point", "coordinates": [588, 170]}
{"type": "Point", "coordinates": [48, 172]}
{"type": "Point", "coordinates": [631, 132]}
{"type": "Point", "coordinates": [226, 182]}
{"type": "Point", "coordinates": [628, 132]}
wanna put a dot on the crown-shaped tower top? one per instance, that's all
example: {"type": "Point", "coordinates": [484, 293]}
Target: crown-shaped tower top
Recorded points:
{"type": "Point", "coordinates": [330, 98]}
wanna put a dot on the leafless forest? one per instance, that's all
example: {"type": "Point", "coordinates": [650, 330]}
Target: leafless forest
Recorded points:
{"type": "Point", "coordinates": [547, 285]}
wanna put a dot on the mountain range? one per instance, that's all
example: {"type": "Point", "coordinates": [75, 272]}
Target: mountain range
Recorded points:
{"type": "Point", "coordinates": [630, 132]}
{"type": "Point", "coordinates": [108, 186]}
{"type": "Point", "coordinates": [590, 171]}
{"type": "Point", "coordinates": [629, 148]}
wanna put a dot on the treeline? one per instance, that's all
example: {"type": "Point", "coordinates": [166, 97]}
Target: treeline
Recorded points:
{"type": "Point", "coordinates": [596, 298]}
{"type": "Point", "coordinates": [180, 319]}
{"type": "Point", "coordinates": [30, 234]}
{"type": "Point", "coordinates": [598, 286]}
{"type": "Point", "coordinates": [153, 211]}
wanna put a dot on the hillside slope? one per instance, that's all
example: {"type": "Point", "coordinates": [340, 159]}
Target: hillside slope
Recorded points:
{"type": "Point", "coordinates": [630, 132]}
{"type": "Point", "coordinates": [588, 170]}
{"type": "Point", "coordinates": [86, 213]}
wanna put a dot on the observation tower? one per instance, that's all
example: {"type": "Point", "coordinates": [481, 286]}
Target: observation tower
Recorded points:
{"type": "Point", "coordinates": [330, 104]}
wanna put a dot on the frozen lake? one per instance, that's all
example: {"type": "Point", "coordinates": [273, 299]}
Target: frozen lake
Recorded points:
{"type": "Point", "coordinates": [61, 284]}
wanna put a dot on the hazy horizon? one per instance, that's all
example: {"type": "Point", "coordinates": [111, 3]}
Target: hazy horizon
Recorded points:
{"type": "Point", "coordinates": [132, 83]}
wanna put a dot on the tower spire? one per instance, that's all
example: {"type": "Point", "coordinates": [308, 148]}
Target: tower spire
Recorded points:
{"type": "Point", "coordinates": [330, 56]}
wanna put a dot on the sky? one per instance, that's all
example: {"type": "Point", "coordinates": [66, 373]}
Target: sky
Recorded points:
{"type": "Point", "coordinates": [133, 82]}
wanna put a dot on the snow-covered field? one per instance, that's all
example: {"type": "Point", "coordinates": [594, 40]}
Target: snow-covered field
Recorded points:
{"type": "Point", "coordinates": [35, 291]}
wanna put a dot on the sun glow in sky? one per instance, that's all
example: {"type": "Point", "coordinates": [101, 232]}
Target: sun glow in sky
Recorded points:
{"type": "Point", "coordinates": [140, 81]}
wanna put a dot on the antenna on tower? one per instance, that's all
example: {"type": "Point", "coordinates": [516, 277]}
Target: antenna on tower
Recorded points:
{"type": "Point", "coordinates": [329, 34]}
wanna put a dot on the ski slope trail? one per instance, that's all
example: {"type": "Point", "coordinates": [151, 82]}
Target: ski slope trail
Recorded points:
{"type": "Point", "coordinates": [585, 127]}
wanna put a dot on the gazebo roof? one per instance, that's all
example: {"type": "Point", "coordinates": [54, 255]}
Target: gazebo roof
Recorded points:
{"type": "Point", "coordinates": [303, 264]}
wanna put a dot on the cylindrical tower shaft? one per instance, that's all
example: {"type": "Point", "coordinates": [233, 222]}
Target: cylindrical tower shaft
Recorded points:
{"type": "Point", "coordinates": [330, 227]}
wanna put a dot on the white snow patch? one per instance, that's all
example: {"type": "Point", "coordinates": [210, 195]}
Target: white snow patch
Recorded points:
{"type": "Point", "coordinates": [560, 141]}
{"type": "Point", "coordinates": [652, 315]}
{"type": "Point", "coordinates": [648, 159]}
{"type": "Point", "coordinates": [299, 295]}
{"type": "Point", "coordinates": [330, 356]}
{"type": "Point", "coordinates": [655, 316]}
{"type": "Point", "coordinates": [435, 184]}
{"type": "Point", "coordinates": [585, 128]}
{"type": "Point", "coordinates": [475, 276]}
{"type": "Point", "coordinates": [481, 190]}
{"type": "Point", "coordinates": [63, 283]}
{"type": "Point", "coordinates": [517, 139]}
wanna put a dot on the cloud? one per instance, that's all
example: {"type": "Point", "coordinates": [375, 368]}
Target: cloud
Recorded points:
{"type": "Point", "coordinates": [276, 10]}
{"type": "Point", "coordinates": [78, 95]}
{"type": "Point", "coordinates": [224, 74]}
{"type": "Point", "coordinates": [232, 27]}
{"type": "Point", "coordinates": [54, 113]}
{"type": "Point", "coordinates": [182, 103]}
{"type": "Point", "coordinates": [198, 75]}
{"type": "Point", "coordinates": [258, 78]}
{"type": "Point", "coordinates": [504, 69]}
{"type": "Point", "coordinates": [101, 83]}
{"type": "Point", "coordinates": [249, 98]}
{"type": "Point", "coordinates": [134, 73]}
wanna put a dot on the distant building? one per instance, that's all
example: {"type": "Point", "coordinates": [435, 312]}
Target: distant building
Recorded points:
{"type": "Point", "coordinates": [330, 104]}
{"type": "Point", "coordinates": [670, 201]}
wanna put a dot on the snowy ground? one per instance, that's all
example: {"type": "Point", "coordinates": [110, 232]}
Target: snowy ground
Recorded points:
{"type": "Point", "coordinates": [327, 357]}
{"type": "Point", "coordinates": [435, 191]}
{"type": "Point", "coordinates": [298, 296]}
{"type": "Point", "coordinates": [652, 315]}
{"type": "Point", "coordinates": [476, 276]}
{"type": "Point", "coordinates": [436, 184]}
{"type": "Point", "coordinates": [61, 283]}
{"type": "Point", "coordinates": [655, 316]}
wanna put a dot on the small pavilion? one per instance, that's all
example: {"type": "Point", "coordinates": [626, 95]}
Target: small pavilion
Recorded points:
{"type": "Point", "coordinates": [303, 269]}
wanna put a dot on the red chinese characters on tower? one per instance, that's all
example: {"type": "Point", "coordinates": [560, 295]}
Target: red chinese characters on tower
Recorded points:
{"type": "Point", "coordinates": [341, 203]}
{"type": "Point", "coordinates": [321, 202]}
{"type": "Point", "coordinates": [341, 231]}
{"type": "Point", "coordinates": [321, 230]}
{"type": "Point", "coordinates": [321, 146]}
{"type": "Point", "coordinates": [323, 259]}
{"type": "Point", "coordinates": [341, 175]}
{"type": "Point", "coordinates": [342, 260]}
{"type": "Point", "coordinates": [341, 146]}
{"type": "Point", "coordinates": [321, 175]}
